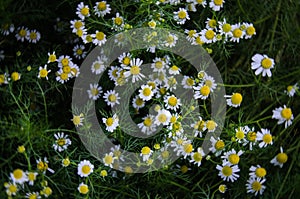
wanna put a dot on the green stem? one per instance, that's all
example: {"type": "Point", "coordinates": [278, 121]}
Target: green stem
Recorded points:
{"type": "Point", "coordinates": [275, 25]}
{"type": "Point", "coordinates": [237, 86]}
{"type": "Point", "coordinates": [45, 103]}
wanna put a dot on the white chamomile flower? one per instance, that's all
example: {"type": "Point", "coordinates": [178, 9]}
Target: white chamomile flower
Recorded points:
{"type": "Point", "coordinates": [225, 29]}
{"type": "Point", "coordinates": [208, 36]}
{"type": "Point", "coordinates": [99, 66]}
{"type": "Point", "coordinates": [118, 22]}
{"type": "Point", "coordinates": [181, 16]}
{"type": "Point", "coordinates": [257, 172]}
{"type": "Point", "coordinates": [255, 185]}
{"type": "Point", "coordinates": [76, 24]}
{"type": "Point", "coordinates": [291, 90]}
{"type": "Point", "coordinates": [62, 142]}
{"type": "Point", "coordinates": [199, 127]}
{"type": "Point", "coordinates": [241, 134]}
{"type": "Point", "coordinates": [87, 38]}
{"type": "Point", "coordinates": [33, 195]}
{"type": "Point", "coordinates": [283, 115]}
{"type": "Point", "coordinates": [218, 145]}
{"type": "Point", "coordinates": [231, 157]}
{"type": "Point", "coordinates": [171, 40]}
{"type": "Point", "coordinates": [43, 72]}
{"type": "Point", "coordinates": [163, 117]}
{"type": "Point", "coordinates": [6, 29]}
{"type": "Point", "coordinates": [18, 176]}
{"type": "Point", "coordinates": [64, 60]}
{"type": "Point", "coordinates": [210, 82]}
{"type": "Point", "coordinates": [234, 100]}
{"type": "Point", "coordinates": [113, 73]}
{"type": "Point", "coordinates": [62, 77]}
{"type": "Point", "coordinates": [237, 33]}
{"type": "Point", "coordinates": [111, 98]}
{"type": "Point", "coordinates": [158, 65]}
{"type": "Point", "coordinates": [42, 165]}
{"type": "Point", "coordinates": [211, 23]}
{"type": "Point", "coordinates": [31, 177]}
{"type": "Point", "coordinates": [196, 157]}
{"type": "Point", "coordinates": [95, 91]}
{"type": "Point", "coordinates": [77, 120]}
{"type": "Point", "coordinates": [138, 102]}
{"type": "Point", "coordinates": [134, 70]}
{"type": "Point", "coordinates": [146, 152]}
{"type": "Point", "coordinates": [172, 102]}
{"type": "Point", "coordinates": [228, 172]}
{"type": "Point", "coordinates": [262, 64]}
{"type": "Point", "coordinates": [102, 8]}
{"type": "Point", "coordinates": [190, 34]}
{"type": "Point", "coordinates": [85, 168]}
{"type": "Point", "coordinates": [211, 125]}
{"type": "Point", "coordinates": [249, 30]}
{"type": "Point", "coordinates": [201, 91]}
{"type": "Point", "coordinates": [83, 188]}
{"type": "Point", "coordinates": [51, 57]}
{"type": "Point", "coordinates": [111, 123]}
{"type": "Point", "coordinates": [147, 126]}
{"type": "Point", "coordinates": [78, 51]}
{"type": "Point", "coordinates": [125, 59]}
{"type": "Point", "coordinates": [99, 38]}
{"type": "Point", "coordinates": [11, 188]}
{"type": "Point", "coordinates": [22, 33]}
{"type": "Point", "coordinates": [174, 70]}
{"type": "Point", "coordinates": [33, 36]}
{"type": "Point", "coordinates": [199, 2]}
{"type": "Point", "coordinates": [4, 78]}
{"type": "Point", "coordinates": [264, 138]}
{"type": "Point", "coordinates": [109, 159]}
{"type": "Point", "coordinates": [216, 5]}
{"type": "Point", "coordinates": [187, 82]}
{"type": "Point", "coordinates": [146, 92]}
{"type": "Point", "coordinates": [82, 11]}
{"type": "Point", "coordinates": [280, 158]}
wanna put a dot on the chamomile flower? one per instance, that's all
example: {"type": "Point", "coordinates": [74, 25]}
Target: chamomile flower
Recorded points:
{"type": "Point", "coordinates": [22, 33]}
{"type": "Point", "coordinates": [77, 120]}
{"type": "Point", "coordinates": [228, 172]}
{"type": "Point", "coordinates": [34, 195]}
{"type": "Point", "coordinates": [15, 76]}
{"type": "Point", "coordinates": [249, 30]}
{"type": "Point", "coordinates": [62, 142]}
{"type": "Point", "coordinates": [33, 36]}
{"type": "Point", "coordinates": [113, 72]}
{"type": "Point", "coordinates": [4, 78]}
{"type": "Point", "coordinates": [225, 29]}
{"type": "Point", "coordinates": [196, 157]}
{"type": "Point", "coordinates": [199, 127]}
{"type": "Point", "coordinates": [158, 65]}
{"type": "Point", "coordinates": [65, 162]}
{"type": "Point", "coordinates": [283, 115]}
{"type": "Point", "coordinates": [171, 40]}
{"type": "Point", "coordinates": [190, 34]}
{"type": "Point", "coordinates": [83, 188]}
{"type": "Point", "coordinates": [125, 59]}
{"type": "Point", "coordinates": [18, 176]}
{"type": "Point", "coordinates": [138, 102]}
{"type": "Point", "coordinates": [291, 90]}
{"type": "Point", "coordinates": [217, 145]}
{"type": "Point", "coordinates": [64, 60]}
{"type": "Point", "coordinates": [210, 82]}
{"type": "Point", "coordinates": [78, 51]}
{"type": "Point", "coordinates": [6, 29]}
{"type": "Point", "coordinates": [95, 91]}
{"type": "Point", "coordinates": [208, 36]}
{"type": "Point", "coordinates": [98, 66]}
{"type": "Point", "coordinates": [232, 157]}
{"type": "Point", "coordinates": [255, 185]}
{"type": "Point", "coordinates": [134, 70]}
{"type": "Point", "coordinates": [216, 5]}
{"type": "Point", "coordinates": [83, 11]}
{"type": "Point", "coordinates": [172, 102]}
{"type": "Point", "coordinates": [211, 125]}
{"type": "Point", "coordinates": [47, 191]}
{"type": "Point", "coordinates": [174, 70]}
{"type": "Point", "coordinates": [11, 188]}
{"type": "Point", "coordinates": [102, 8]}
{"type": "Point", "coordinates": [262, 64]}
{"type": "Point", "coordinates": [201, 91]}
{"type": "Point", "coordinates": [62, 77]}
{"type": "Point", "coordinates": [99, 38]}
{"type": "Point", "coordinates": [237, 33]}
{"type": "Point", "coordinates": [234, 100]}
{"type": "Point", "coordinates": [203, 3]}
{"type": "Point", "coordinates": [111, 123]}
{"type": "Point", "coordinates": [181, 16]}
{"type": "Point", "coordinates": [111, 97]}
{"type": "Point", "coordinates": [87, 38]}
{"type": "Point", "coordinates": [76, 24]}
{"type": "Point", "coordinates": [51, 57]}
{"type": "Point", "coordinates": [257, 172]}
{"type": "Point", "coordinates": [280, 158]}
{"type": "Point", "coordinates": [146, 92]}
{"type": "Point", "coordinates": [85, 168]}
{"type": "Point", "coordinates": [185, 149]}
{"type": "Point", "coordinates": [118, 22]}
{"type": "Point", "coordinates": [187, 82]}
{"type": "Point", "coordinates": [211, 23]}
{"type": "Point", "coordinates": [241, 133]}
{"type": "Point", "coordinates": [31, 177]}
{"type": "Point", "coordinates": [163, 117]}
{"type": "Point", "coordinates": [146, 152]}
{"type": "Point", "coordinates": [251, 138]}
{"type": "Point", "coordinates": [43, 72]}
{"type": "Point", "coordinates": [264, 138]}
{"type": "Point", "coordinates": [42, 165]}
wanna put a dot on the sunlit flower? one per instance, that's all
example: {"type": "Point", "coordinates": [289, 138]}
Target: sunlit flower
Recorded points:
{"type": "Point", "coordinates": [62, 142]}
{"type": "Point", "coordinates": [257, 172]}
{"type": "Point", "coordinates": [83, 188]}
{"type": "Point", "coordinates": [82, 11]}
{"type": "Point", "coordinates": [234, 100]}
{"type": "Point", "coordinates": [181, 16]}
{"type": "Point", "coordinates": [228, 172]}
{"type": "Point", "coordinates": [264, 138]}
{"type": "Point", "coordinates": [18, 176]}
{"type": "Point", "coordinates": [262, 64]}
{"type": "Point", "coordinates": [216, 5]}
{"type": "Point", "coordinates": [255, 185]}
{"type": "Point", "coordinates": [283, 115]}
{"type": "Point", "coordinates": [111, 123]}
{"type": "Point", "coordinates": [280, 158]}
{"type": "Point", "coordinates": [146, 152]}
{"type": "Point", "coordinates": [102, 8]}
{"type": "Point", "coordinates": [85, 168]}
{"type": "Point", "coordinates": [43, 72]}
{"type": "Point", "coordinates": [95, 91]}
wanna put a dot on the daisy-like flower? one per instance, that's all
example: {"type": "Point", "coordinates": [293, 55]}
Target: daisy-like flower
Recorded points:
{"type": "Point", "coordinates": [47, 191]}
{"type": "Point", "coordinates": [34, 195]}
{"type": "Point", "coordinates": [291, 90]}
{"type": "Point", "coordinates": [65, 162]}
{"type": "Point", "coordinates": [134, 70]}
{"type": "Point", "coordinates": [64, 60]}
{"type": "Point", "coordinates": [190, 35]}
{"type": "Point", "coordinates": [99, 38]}
{"type": "Point", "coordinates": [257, 172]}
{"type": "Point", "coordinates": [85, 168]}
{"type": "Point", "coordinates": [4, 78]}
{"type": "Point", "coordinates": [210, 82]}
{"type": "Point", "coordinates": [280, 158]}
{"type": "Point", "coordinates": [6, 29]}
{"type": "Point", "coordinates": [158, 65]}
{"type": "Point", "coordinates": [237, 33]}
{"type": "Point", "coordinates": [199, 127]}
{"type": "Point", "coordinates": [111, 98]}
{"type": "Point", "coordinates": [171, 40]}
{"type": "Point", "coordinates": [74, 70]}
{"type": "Point", "coordinates": [187, 82]}
{"type": "Point", "coordinates": [98, 66]}
{"type": "Point", "coordinates": [232, 157]}
{"type": "Point", "coordinates": [211, 125]}
{"type": "Point", "coordinates": [172, 102]}
{"type": "Point", "coordinates": [62, 77]}
{"type": "Point", "coordinates": [185, 149]}
{"type": "Point", "coordinates": [43, 72]}
{"type": "Point", "coordinates": [77, 120]}
{"type": "Point", "coordinates": [76, 24]}
{"type": "Point", "coordinates": [111, 123]}
{"type": "Point", "coordinates": [216, 5]}
{"type": "Point", "coordinates": [51, 57]}
{"type": "Point", "coordinates": [62, 142]}
{"type": "Point", "coordinates": [249, 30]}
{"type": "Point", "coordinates": [163, 117]}
{"type": "Point", "coordinates": [31, 177]}
{"type": "Point", "coordinates": [234, 100]}
{"type": "Point", "coordinates": [83, 11]}
{"type": "Point", "coordinates": [228, 172]}
{"type": "Point", "coordinates": [18, 176]}
{"type": "Point", "coordinates": [87, 38]}
{"type": "Point", "coordinates": [262, 64]}
{"type": "Point", "coordinates": [255, 185]}
{"type": "Point", "coordinates": [208, 36]}
{"type": "Point", "coordinates": [15, 76]}
{"type": "Point", "coordinates": [83, 188]}
{"type": "Point", "coordinates": [102, 8]}
{"type": "Point", "coordinates": [33, 36]}
{"type": "Point", "coordinates": [196, 157]}
{"type": "Point", "coordinates": [181, 16]}
{"type": "Point", "coordinates": [78, 51]}
{"type": "Point", "coordinates": [146, 152]}
{"type": "Point", "coordinates": [211, 23]}
{"type": "Point", "coordinates": [109, 159]}
{"type": "Point", "coordinates": [146, 93]}
{"type": "Point", "coordinates": [264, 137]}
{"type": "Point", "coordinates": [222, 188]}
{"type": "Point", "coordinates": [283, 115]}
{"type": "Point", "coordinates": [11, 188]}
{"type": "Point", "coordinates": [42, 165]}
{"type": "Point", "coordinates": [125, 59]}
{"type": "Point", "coordinates": [241, 133]}
{"type": "Point", "coordinates": [198, 40]}
{"type": "Point", "coordinates": [22, 33]}
{"type": "Point", "coordinates": [95, 91]}
{"type": "Point", "coordinates": [218, 145]}
{"type": "Point", "coordinates": [201, 91]}
{"type": "Point", "coordinates": [113, 73]}
{"type": "Point", "coordinates": [251, 138]}
{"type": "Point", "coordinates": [138, 102]}
{"type": "Point", "coordinates": [118, 22]}
{"type": "Point", "coordinates": [225, 29]}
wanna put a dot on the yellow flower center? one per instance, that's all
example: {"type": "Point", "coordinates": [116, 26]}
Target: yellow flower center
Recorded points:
{"type": "Point", "coordinates": [118, 21]}
{"type": "Point", "coordinates": [188, 148]}
{"type": "Point", "coordinates": [22, 33]}
{"type": "Point", "coordinates": [2, 79]}
{"type": "Point", "coordinates": [172, 101]}
{"type": "Point", "coordinates": [219, 145]}
{"type": "Point", "coordinates": [112, 98]}
{"type": "Point", "coordinates": [43, 73]}
{"type": "Point", "coordinates": [33, 196]}
{"type": "Point", "coordinates": [227, 171]}
{"type": "Point", "coordinates": [83, 189]}
{"type": "Point", "coordinates": [162, 118]}
{"type": "Point", "coordinates": [233, 159]}
{"type": "Point", "coordinates": [47, 191]}
{"type": "Point", "coordinates": [89, 38]}
{"type": "Point", "coordinates": [67, 69]}
{"type": "Point", "coordinates": [128, 169]}
{"type": "Point", "coordinates": [190, 81]}
{"type": "Point", "coordinates": [12, 188]}
{"type": "Point", "coordinates": [267, 138]}
{"type": "Point", "coordinates": [289, 88]}
{"type": "Point", "coordinates": [78, 24]}
{"type": "Point", "coordinates": [212, 23]}
{"type": "Point", "coordinates": [282, 158]}
{"type": "Point", "coordinates": [191, 33]}
{"type": "Point", "coordinates": [205, 90]}
{"type": "Point", "coordinates": [33, 35]}
{"type": "Point", "coordinates": [102, 5]}
{"type": "Point", "coordinates": [199, 41]}
{"type": "Point", "coordinates": [251, 136]}
{"type": "Point", "coordinates": [182, 14]}
{"type": "Point", "coordinates": [184, 168]}
{"type": "Point", "coordinates": [146, 150]}
{"type": "Point", "coordinates": [158, 65]}
{"type": "Point", "coordinates": [18, 174]}
{"type": "Point", "coordinates": [286, 113]}
{"type": "Point", "coordinates": [210, 34]}
{"type": "Point", "coordinates": [240, 134]}
{"type": "Point", "coordinates": [64, 76]}
{"type": "Point", "coordinates": [61, 141]}
{"type": "Point", "coordinates": [250, 30]}
{"type": "Point", "coordinates": [66, 162]}
{"type": "Point", "coordinates": [76, 120]}
{"type": "Point", "coordinates": [165, 154]}
{"type": "Point", "coordinates": [42, 166]}
{"type": "Point", "coordinates": [15, 76]}
{"type": "Point", "coordinates": [197, 157]}
{"type": "Point", "coordinates": [162, 91]}
{"type": "Point", "coordinates": [103, 173]}
{"type": "Point", "coordinates": [222, 188]}
{"type": "Point", "coordinates": [147, 91]}
{"type": "Point", "coordinates": [135, 70]}
{"type": "Point", "coordinates": [211, 125]}
{"type": "Point", "coordinates": [86, 169]}
{"type": "Point", "coordinates": [126, 60]}
{"type": "Point", "coordinates": [218, 2]}
{"type": "Point", "coordinates": [52, 58]}
{"type": "Point", "coordinates": [266, 63]}
{"type": "Point", "coordinates": [85, 11]}
{"type": "Point", "coordinates": [179, 141]}
{"type": "Point", "coordinates": [139, 102]}
{"type": "Point", "coordinates": [148, 122]}
{"type": "Point", "coordinates": [109, 121]}
{"type": "Point", "coordinates": [260, 172]}
{"type": "Point", "coordinates": [94, 91]}
{"type": "Point", "coordinates": [65, 61]}
{"type": "Point", "coordinates": [226, 27]}
{"type": "Point", "coordinates": [236, 98]}
{"type": "Point", "coordinates": [108, 159]}
{"type": "Point", "coordinates": [237, 33]}
{"type": "Point", "coordinates": [208, 83]}
{"type": "Point", "coordinates": [79, 51]}
{"type": "Point", "coordinates": [100, 36]}
{"type": "Point", "coordinates": [256, 186]}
